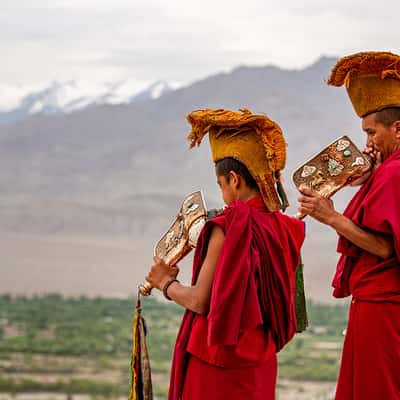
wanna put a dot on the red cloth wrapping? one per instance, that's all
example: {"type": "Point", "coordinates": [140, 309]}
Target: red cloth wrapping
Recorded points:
{"type": "Point", "coordinates": [206, 381]}
{"type": "Point", "coordinates": [371, 355]}
{"type": "Point", "coordinates": [375, 207]}
{"type": "Point", "coordinates": [254, 347]}
{"type": "Point", "coordinates": [253, 283]}
{"type": "Point", "coordinates": [370, 368]}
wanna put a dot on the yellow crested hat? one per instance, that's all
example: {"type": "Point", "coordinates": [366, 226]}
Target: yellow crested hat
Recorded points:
{"type": "Point", "coordinates": [254, 140]}
{"type": "Point", "coordinates": [372, 80]}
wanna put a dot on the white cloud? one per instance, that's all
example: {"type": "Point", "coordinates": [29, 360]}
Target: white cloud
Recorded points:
{"type": "Point", "coordinates": [181, 40]}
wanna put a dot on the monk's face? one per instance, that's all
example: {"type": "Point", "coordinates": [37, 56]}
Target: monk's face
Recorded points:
{"type": "Point", "coordinates": [381, 138]}
{"type": "Point", "coordinates": [228, 188]}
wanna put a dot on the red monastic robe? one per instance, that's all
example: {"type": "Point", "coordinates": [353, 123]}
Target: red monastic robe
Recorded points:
{"type": "Point", "coordinates": [370, 368]}
{"type": "Point", "coordinates": [252, 310]}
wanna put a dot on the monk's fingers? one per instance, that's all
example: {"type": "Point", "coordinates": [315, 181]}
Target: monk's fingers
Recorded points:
{"type": "Point", "coordinates": [308, 203]}
{"type": "Point", "coordinates": [174, 270]}
{"type": "Point", "coordinates": [312, 204]}
{"type": "Point", "coordinates": [310, 209]}
{"type": "Point", "coordinates": [303, 210]}
{"type": "Point", "coordinates": [307, 199]}
{"type": "Point", "coordinates": [305, 190]}
{"type": "Point", "coordinates": [303, 199]}
{"type": "Point", "coordinates": [368, 150]}
{"type": "Point", "coordinates": [159, 262]}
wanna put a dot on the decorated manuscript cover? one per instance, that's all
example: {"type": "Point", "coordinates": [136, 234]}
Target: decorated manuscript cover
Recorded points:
{"type": "Point", "coordinates": [182, 236]}
{"type": "Point", "coordinates": [334, 167]}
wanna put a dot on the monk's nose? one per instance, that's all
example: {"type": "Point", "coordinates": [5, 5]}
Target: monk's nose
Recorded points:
{"type": "Point", "coordinates": [370, 142]}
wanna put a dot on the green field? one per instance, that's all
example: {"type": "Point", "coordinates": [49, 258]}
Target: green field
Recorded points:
{"type": "Point", "coordinates": [76, 346]}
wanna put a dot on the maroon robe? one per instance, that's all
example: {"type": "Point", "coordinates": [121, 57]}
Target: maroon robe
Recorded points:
{"type": "Point", "coordinates": [253, 290]}
{"type": "Point", "coordinates": [370, 367]}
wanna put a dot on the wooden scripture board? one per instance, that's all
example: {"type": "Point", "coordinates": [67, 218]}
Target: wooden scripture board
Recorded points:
{"type": "Point", "coordinates": [336, 166]}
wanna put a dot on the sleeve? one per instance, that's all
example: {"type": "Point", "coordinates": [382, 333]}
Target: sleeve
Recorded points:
{"type": "Point", "coordinates": [381, 208]}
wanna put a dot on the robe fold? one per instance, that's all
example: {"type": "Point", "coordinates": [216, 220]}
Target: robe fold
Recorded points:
{"type": "Point", "coordinates": [370, 367]}
{"type": "Point", "coordinates": [252, 306]}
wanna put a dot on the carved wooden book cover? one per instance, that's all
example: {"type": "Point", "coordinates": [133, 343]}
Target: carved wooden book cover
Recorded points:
{"type": "Point", "coordinates": [182, 236]}
{"type": "Point", "coordinates": [334, 167]}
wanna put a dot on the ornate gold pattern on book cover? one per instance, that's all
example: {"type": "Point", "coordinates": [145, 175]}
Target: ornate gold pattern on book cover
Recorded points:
{"type": "Point", "coordinates": [179, 240]}
{"type": "Point", "coordinates": [334, 167]}
{"type": "Point", "coordinates": [182, 236]}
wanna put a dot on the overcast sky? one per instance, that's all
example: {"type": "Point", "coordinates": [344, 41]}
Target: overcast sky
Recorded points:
{"type": "Point", "coordinates": [181, 41]}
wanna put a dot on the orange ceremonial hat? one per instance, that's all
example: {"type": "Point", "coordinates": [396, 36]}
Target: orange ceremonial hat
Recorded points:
{"type": "Point", "coordinates": [252, 139]}
{"type": "Point", "coordinates": [372, 80]}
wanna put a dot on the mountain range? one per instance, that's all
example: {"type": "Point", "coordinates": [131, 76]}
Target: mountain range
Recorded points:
{"type": "Point", "coordinates": [70, 96]}
{"type": "Point", "coordinates": [108, 178]}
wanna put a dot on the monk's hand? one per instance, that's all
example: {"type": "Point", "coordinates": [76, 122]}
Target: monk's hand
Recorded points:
{"type": "Point", "coordinates": [372, 153]}
{"type": "Point", "coordinates": [376, 160]}
{"type": "Point", "coordinates": [376, 157]}
{"type": "Point", "coordinates": [315, 205]}
{"type": "Point", "coordinates": [160, 273]}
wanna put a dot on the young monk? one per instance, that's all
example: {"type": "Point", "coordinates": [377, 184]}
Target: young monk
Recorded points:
{"type": "Point", "coordinates": [240, 307]}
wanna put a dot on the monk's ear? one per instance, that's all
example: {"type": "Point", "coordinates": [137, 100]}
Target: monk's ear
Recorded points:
{"type": "Point", "coordinates": [234, 179]}
{"type": "Point", "coordinates": [396, 125]}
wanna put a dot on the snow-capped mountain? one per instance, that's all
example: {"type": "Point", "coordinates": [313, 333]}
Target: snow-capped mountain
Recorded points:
{"type": "Point", "coordinates": [65, 97]}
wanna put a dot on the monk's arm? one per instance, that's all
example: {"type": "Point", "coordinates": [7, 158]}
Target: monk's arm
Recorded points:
{"type": "Point", "coordinates": [379, 245]}
{"type": "Point", "coordinates": [197, 297]}
{"type": "Point", "coordinates": [322, 209]}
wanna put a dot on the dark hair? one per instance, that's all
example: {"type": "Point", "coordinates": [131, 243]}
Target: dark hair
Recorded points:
{"type": "Point", "coordinates": [228, 164]}
{"type": "Point", "coordinates": [387, 116]}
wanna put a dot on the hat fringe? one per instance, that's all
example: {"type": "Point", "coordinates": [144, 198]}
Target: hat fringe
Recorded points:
{"type": "Point", "coordinates": [384, 63]}
{"type": "Point", "coordinates": [271, 135]}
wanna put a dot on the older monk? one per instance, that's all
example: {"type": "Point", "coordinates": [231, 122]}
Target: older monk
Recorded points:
{"type": "Point", "coordinates": [369, 233]}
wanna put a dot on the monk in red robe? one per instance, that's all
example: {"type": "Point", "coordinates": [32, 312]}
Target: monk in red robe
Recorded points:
{"type": "Point", "coordinates": [240, 307]}
{"type": "Point", "coordinates": [369, 234]}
